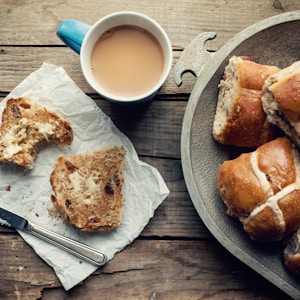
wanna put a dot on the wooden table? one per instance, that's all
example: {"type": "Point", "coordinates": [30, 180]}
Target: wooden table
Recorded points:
{"type": "Point", "coordinates": [175, 257]}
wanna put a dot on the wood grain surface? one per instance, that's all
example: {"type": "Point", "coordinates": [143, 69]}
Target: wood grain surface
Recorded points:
{"type": "Point", "coordinates": [175, 257]}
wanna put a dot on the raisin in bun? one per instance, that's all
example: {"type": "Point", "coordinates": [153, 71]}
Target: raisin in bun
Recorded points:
{"type": "Point", "coordinates": [262, 189]}
{"type": "Point", "coordinates": [240, 119]}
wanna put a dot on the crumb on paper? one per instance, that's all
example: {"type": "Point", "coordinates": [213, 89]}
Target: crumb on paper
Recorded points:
{"type": "Point", "coordinates": [53, 211]}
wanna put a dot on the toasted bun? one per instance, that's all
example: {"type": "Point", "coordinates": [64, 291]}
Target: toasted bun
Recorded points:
{"type": "Point", "coordinates": [88, 188]}
{"type": "Point", "coordinates": [240, 119]}
{"type": "Point", "coordinates": [262, 189]}
{"type": "Point", "coordinates": [281, 101]}
{"type": "Point", "coordinates": [26, 128]}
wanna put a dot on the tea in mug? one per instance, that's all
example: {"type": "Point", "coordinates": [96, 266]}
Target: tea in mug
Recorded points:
{"type": "Point", "coordinates": [127, 60]}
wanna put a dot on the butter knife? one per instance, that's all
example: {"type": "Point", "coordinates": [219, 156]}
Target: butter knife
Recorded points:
{"type": "Point", "coordinates": [81, 250]}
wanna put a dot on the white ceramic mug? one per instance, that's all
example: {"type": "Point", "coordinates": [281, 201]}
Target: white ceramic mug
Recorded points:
{"type": "Point", "coordinates": [81, 37]}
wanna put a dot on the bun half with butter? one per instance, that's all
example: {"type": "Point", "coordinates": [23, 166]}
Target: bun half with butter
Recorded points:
{"type": "Point", "coordinates": [28, 127]}
{"type": "Point", "coordinates": [240, 119]}
{"type": "Point", "coordinates": [262, 189]}
{"type": "Point", "coordinates": [88, 188]}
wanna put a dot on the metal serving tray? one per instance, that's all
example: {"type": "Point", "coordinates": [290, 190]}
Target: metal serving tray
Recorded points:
{"type": "Point", "coordinates": [273, 41]}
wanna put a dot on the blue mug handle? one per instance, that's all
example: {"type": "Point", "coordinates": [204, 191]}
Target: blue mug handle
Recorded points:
{"type": "Point", "coordinates": [72, 33]}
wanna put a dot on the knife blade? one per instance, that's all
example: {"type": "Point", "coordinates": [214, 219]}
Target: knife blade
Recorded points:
{"type": "Point", "coordinates": [76, 248]}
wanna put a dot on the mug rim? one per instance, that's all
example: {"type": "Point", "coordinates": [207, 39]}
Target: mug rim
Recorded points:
{"type": "Point", "coordinates": [86, 49]}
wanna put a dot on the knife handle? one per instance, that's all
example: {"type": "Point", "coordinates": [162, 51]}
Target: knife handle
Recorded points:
{"type": "Point", "coordinates": [83, 251]}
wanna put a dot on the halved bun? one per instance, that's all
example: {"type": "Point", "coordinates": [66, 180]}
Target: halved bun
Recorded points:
{"type": "Point", "coordinates": [28, 127]}
{"type": "Point", "coordinates": [240, 119]}
{"type": "Point", "coordinates": [281, 101]}
{"type": "Point", "coordinates": [88, 188]}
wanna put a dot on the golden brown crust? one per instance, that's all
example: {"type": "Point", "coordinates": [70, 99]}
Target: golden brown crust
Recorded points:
{"type": "Point", "coordinates": [26, 128]}
{"type": "Point", "coordinates": [252, 75]}
{"type": "Point", "coordinates": [291, 253]}
{"type": "Point", "coordinates": [235, 182]}
{"type": "Point", "coordinates": [276, 160]}
{"type": "Point", "coordinates": [287, 94]}
{"type": "Point", "coordinates": [240, 119]}
{"type": "Point", "coordinates": [281, 100]}
{"type": "Point", "coordinates": [264, 227]}
{"type": "Point", "coordinates": [88, 188]}
{"type": "Point", "coordinates": [261, 189]}
{"type": "Point", "coordinates": [247, 125]}
{"type": "Point", "coordinates": [293, 263]}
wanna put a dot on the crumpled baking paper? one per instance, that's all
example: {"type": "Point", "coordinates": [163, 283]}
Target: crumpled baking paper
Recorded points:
{"type": "Point", "coordinates": [28, 193]}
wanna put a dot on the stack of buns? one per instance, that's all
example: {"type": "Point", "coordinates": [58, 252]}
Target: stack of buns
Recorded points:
{"type": "Point", "coordinates": [261, 188]}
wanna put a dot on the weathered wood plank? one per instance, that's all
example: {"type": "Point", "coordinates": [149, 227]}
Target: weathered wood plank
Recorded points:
{"type": "Point", "coordinates": [22, 272]}
{"type": "Point", "coordinates": [176, 217]}
{"type": "Point", "coordinates": [157, 269]}
{"type": "Point", "coordinates": [153, 128]}
{"type": "Point", "coordinates": [190, 17]}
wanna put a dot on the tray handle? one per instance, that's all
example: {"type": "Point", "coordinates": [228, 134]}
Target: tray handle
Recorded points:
{"type": "Point", "coordinates": [194, 57]}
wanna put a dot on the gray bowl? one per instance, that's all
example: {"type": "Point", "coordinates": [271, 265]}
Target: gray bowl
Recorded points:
{"type": "Point", "coordinates": [273, 41]}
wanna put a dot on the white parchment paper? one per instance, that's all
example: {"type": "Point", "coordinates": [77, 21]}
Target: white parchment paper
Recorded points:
{"type": "Point", "coordinates": [29, 192]}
